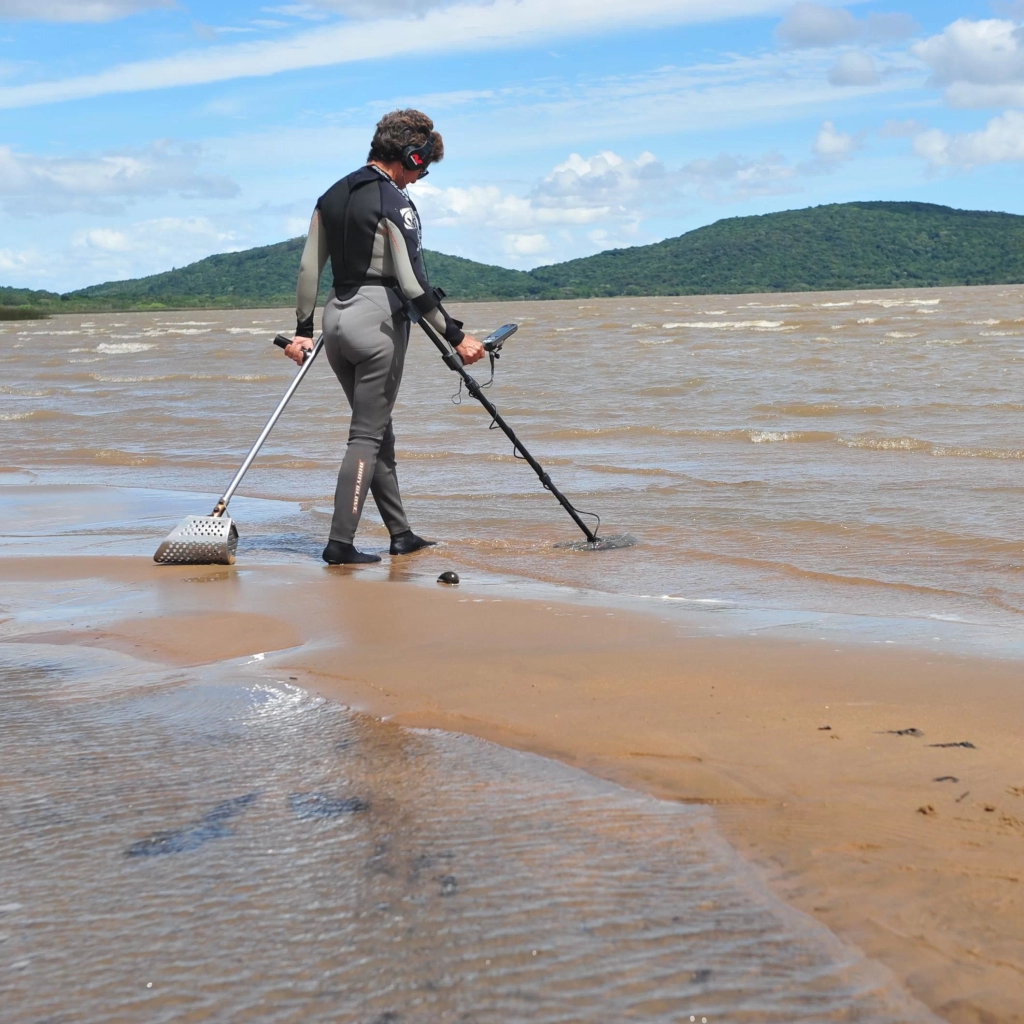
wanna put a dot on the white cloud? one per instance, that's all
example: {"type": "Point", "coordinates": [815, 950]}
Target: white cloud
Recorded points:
{"type": "Point", "coordinates": [527, 245]}
{"type": "Point", "coordinates": [855, 67]}
{"type": "Point", "coordinates": [141, 248]}
{"type": "Point", "coordinates": [728, 177]}
{"type": "Point", "coordinates": [980, 63]}
{"type": "Point", "coordinates": [107, 239]}
{"type": "Point", "coordinates": [32, 184]}
{"type": "Point", "coordinates": [578, 192]}
{"type": "Point", "coordinates": [901, 129]}
{"type": "Point", "coordinates": [117, 251]}
{"type": "Point", "coordinates": [369, 8]}
{"type": "Point", "coordinates": [889, 28]}
{"type": "Point", "coordinates": [453, 29]}
{"type": "Point", "coordinates": [833, 145]}
{"type": "Point", "coordinates": [1000, 141]}
{"type": "Point", "coordinates": [604, 196]}
{"type": "Point", "coordinates": [76, 10]}
{"type": "Point", "coordinates": [810, 25]}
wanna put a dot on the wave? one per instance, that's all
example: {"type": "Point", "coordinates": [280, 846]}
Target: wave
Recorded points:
{"type": "Point", "coordinates": [36, 414]}
{"type": "Point", "coordinates": [772, 436]}
{"type": "Point", "coordinates": [126, 348]}
{"type": "Point", "coordinates": [725, 325]}
{"type": "Point", "coordinates": [108, 379]}
{"type": "Point", "coordinates": [914, 444]}
{"type": "Point", "coordinates": [903, 334]}
{"type": "Point", "coordinates": [897, 303]}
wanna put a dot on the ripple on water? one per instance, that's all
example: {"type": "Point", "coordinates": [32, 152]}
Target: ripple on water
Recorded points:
{"type": "Point", "coordinates": [252, 852]}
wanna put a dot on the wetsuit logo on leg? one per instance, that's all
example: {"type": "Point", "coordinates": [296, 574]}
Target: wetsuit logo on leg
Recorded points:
{"type": "Point", "coordinates": [359, 488]}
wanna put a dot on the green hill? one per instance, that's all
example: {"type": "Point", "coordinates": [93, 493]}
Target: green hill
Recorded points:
{"type": "Point", "coordinates": [824, 248]}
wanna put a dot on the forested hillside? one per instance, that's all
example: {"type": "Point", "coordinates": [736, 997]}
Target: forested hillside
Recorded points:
{"type": "Point", "coordinates": [849, 245]}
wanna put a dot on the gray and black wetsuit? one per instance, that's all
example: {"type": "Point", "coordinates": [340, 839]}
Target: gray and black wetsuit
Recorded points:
{"type": "Point", "coordinates": [370, 230]}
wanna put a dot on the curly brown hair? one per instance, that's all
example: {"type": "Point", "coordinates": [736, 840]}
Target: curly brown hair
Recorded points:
{"type": "Point", "coordinates": [403, 128]}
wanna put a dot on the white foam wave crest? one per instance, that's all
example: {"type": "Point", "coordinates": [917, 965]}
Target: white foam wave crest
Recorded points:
{"type": "Point", "coordinates": [124, 348]}
{"type": "Point", "coordinates": [896, 303]}
{"type": "Point", "coordinates": [724, 325]}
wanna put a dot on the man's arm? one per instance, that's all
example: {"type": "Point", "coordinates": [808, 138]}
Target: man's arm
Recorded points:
{"type": "Point", "coordinates": [314, 259]}
{"type": "Point", "coordinates": [403, 227]}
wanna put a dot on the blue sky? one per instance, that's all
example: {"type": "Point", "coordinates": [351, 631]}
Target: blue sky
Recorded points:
{"type": "Point", "coordinates": [138, 135]}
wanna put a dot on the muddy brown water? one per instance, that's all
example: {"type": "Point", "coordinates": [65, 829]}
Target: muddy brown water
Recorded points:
{"type": "Point", "coordinates": [848, 462]}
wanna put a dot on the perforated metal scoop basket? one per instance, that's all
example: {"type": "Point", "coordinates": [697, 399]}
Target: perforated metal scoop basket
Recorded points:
{"type": "Point", "coordinates": [200, 540]}
{"type": "Point", "coordinates": [213, 539]}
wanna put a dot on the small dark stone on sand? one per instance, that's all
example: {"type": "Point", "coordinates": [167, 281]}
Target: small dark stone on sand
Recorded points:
{"type": "Point", "coordinates": [448, 577]}
{"type": "Point", "coordinates": [946, 778]}
{"type": "Point", "coordinates": [824, 728]}
{"type": "Point", "coordinates": [962, 743]}
{"type": "Point", "coordinates": [312, 806]}
{"type": "Point", "coordinates": [905, 732]}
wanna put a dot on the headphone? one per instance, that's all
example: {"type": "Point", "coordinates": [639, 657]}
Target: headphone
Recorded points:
{"type": "Point", "coordinates": [416, 158]}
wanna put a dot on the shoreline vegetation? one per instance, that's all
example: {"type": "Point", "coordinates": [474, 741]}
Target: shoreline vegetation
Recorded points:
{"type": "Point", "coordinates": [865, 245]}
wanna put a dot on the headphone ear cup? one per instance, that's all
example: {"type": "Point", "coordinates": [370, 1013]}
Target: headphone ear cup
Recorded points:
{"type": "Point", "coordinates": [416, 158]}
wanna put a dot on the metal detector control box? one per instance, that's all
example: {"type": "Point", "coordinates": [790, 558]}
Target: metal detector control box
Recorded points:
{"type": "Point", "coordinates": [493, 342]}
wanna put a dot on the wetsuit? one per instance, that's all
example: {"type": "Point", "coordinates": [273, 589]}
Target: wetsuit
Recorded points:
{"type": "Point", "coordinates": [370, 230]}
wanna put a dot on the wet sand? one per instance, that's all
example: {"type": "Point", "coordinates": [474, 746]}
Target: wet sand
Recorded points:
{"type": "Point", "coordinates": [797, 744]}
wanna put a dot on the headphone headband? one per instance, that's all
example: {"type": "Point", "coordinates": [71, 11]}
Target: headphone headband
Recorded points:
{"type": "Point", "coordinates": [416, 158]}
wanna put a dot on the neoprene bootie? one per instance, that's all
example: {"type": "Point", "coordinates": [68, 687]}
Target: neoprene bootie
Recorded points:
{"type": "Point", "coordinates": [337, 553]}
{"type": "Point", "coordinates": [406, 543]}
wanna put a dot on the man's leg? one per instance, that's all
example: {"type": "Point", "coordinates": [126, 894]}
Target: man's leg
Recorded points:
{"type": "Point", "coordinates": [374, 347]}
{"type": "Point", "coordinates": [384, 486]}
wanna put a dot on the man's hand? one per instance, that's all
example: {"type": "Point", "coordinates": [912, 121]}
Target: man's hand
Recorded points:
{"type": "Point", "coordinates": [297, 350]}
{"type": "Point", "coordinates": [470, 349]}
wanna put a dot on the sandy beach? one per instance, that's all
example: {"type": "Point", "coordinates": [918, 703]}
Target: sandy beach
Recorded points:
{"type": "Point", "coordinates": [878, 789]}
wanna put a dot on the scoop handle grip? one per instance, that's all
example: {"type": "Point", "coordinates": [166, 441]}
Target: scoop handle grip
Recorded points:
{"type": "Point", "coordinates": [283, 341]}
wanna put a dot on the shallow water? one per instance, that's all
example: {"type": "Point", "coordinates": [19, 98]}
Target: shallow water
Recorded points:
{"type": "Point", "coordinates": [217, 844]}
{"type": "Point", "coordinates": [837, 463]}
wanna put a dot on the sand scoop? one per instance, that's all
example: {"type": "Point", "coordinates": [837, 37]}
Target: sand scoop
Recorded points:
{"type": "Point", "coordinates": [213, 539]}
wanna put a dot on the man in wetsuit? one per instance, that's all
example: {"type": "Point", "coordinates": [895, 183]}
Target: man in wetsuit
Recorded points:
{"type": "Point", "coordinates": [369, 228]}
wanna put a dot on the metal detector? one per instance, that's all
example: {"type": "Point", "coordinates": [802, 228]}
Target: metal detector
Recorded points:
{"type": "Point", "coordinates": [492, 345]}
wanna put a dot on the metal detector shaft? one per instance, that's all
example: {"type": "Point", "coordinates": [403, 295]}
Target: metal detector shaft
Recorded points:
{"type": "Point", "coordinates": [454, 362]}
{"type": "Point", "coordinates": [275, 416]}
